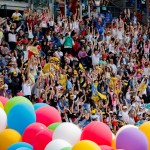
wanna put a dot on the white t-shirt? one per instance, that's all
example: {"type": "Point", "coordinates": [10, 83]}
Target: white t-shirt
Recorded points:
{"type": "Point", "coordinates": [114, 68]}
{"type": "Point", "coordinates": [146, 71]}
{"type": "Point", "coordinates": [120, 35]}
{"type": "Point", "coordinates": [131, 121]}
{"type": "Point", "coordinates": [30, 35]}
{"type": "Point", "coordinates": [95, 59]}
{"type": "Point", "coordinates": [125, 116]}
{"type": "Point", "coordinates": [59, 54]}
{"type": "Point", "coordinates": [12, 37]}
{"type": "Point", "coordinates": [128, 96]}
{"type": "Point", "coordinates": [26, 89]}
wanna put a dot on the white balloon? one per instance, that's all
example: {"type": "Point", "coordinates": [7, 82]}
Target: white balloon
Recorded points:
{"type": "Point", "coordinates": [57, 144]}
{"type": "Point", "coordinates": [68, 132]}
{"type": "Point", "coordinates": [3, 120]}
{"type": "Point", "coordinates": [125, 127]}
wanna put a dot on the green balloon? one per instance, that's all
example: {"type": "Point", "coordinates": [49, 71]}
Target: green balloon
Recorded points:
{"type": "Point", "coordinates": [67, 148]}
{"type": "Point", "coordinates": [15, 100]}
{"type": "Point", "coordinates": [54, 126]}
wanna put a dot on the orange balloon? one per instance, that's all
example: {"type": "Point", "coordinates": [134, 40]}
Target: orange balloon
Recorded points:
{"type": "Point", "coordinates": [145, 128]}
{"type": "Point", "coordinates": [8, 137]}
{"type": "Point", "coordinates": [1, 105]}
{"type": "Point", "coordinates": [113, 145]}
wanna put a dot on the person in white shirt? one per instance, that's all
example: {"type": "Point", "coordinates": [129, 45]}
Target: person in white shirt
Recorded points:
{"type": "Point", "coordinates": [125, 114]}
{"type": "Point", "coordinates": [12, 39]}
{"type": "Point", "coordinates": [131, 118]}
{"type": "Point", "coordinates": [95, 56]}
{"type": "Point", "coordinates": [16, 15]}
{"type": "Point", "coordinates": [113, 66]}
{"type": "Point", "coordinates": [26, 88]}
{"type": "Point", "coordinates": [59, 53]}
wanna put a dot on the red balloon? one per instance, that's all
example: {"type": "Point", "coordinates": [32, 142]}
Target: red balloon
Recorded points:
{"type": "Point", "coordinates": [42, 139]}
{"type": "Point", "coordinates": [97, 132]}
{"type": "Point", "coordinates": [105, 147]}
{"type": "Point", "coordinates": [31, 131]}
{"type": "Point", "coordinates": [47, 115]}
{"type": "Point", "coordinates": [3, 100]}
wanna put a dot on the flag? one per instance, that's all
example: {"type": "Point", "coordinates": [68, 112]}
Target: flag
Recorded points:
{"type": "Point", "coordinates": [32, 50]}
{"type": "Point", "coordinates": [102, 96]}
{"type": "Point", "coordinates": [142, 87]}
{"type": "Point", "coordinates": [46, 68]}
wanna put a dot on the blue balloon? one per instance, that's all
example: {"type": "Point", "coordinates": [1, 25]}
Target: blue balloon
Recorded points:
{"type": "Point", "coordinates": [21, 116]}
{"type": "Point", "coordinates": [24, 148]}
{"type": "Point", "coordinates": [20, 145]}
{"type": "Point", "coordinates": [39, 105]}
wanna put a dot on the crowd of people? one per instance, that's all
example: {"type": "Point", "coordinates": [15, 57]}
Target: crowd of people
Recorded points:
{"type": "Point", "coordinates": [86, 68]}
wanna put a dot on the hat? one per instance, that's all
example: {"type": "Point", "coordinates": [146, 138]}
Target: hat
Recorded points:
{"type": "Point", "coordinates": [111, 112]}
{"type": "Point", "coordinates": [93, 111]}
{"type": "Point", "coordinates": [75, 72]}
{"type": "Point", "coordinates": [104, 56]}
{"type": "Point", "coordinates": [124, 107]}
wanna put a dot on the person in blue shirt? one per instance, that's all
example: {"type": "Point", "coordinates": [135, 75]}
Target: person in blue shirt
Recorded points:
{"type": "Point", "coordinates": [69, 84]}
{"type": "Point", "coordinates": [62, 103]}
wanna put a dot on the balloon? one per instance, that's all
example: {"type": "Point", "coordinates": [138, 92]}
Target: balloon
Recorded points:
{"type": "Point", "coordinates": [39, 105]}
{"type": "Point", "coordinates": [68, 132]}
{"type": "Point", "coordinates": [86, 145]}
{"type": "Point", "coordinates": [54, 126]}
{"type": "Point", "coordinates": [8, 137]}
{"type": "Point", "coordinates": [3, 120]}
{"type": "Point", "coordinates": [113, 144]}
{"type": "Point", "coordinates": [145, 128]}
{"type": "Point", "coordinates": [31, 131]}
{"type": "Point", "coordinates": [67, 148]}
{"type": "Point", "coordinates": [57, 144]}
{"type": "Point", "coordinates": [105, 147]}
{"type": "Point", "coordinates": [20, 116]}
{"type": "Point", "coordinates": [42, 139]}
{"type": "Point", "coordinates": [97, 132]}
{"type": "Point", "coordinates": [1, 105]}
{"type": "Point", "coordinates": [125, 127]}
{"type": "Point", "coordinates": [15, 100]}
{"type": "Point", "coordinates": [131, 139]}
{"type": "Point", "coordinates": [3, 100]}
{"type": "Point", "coordinates": [19, 145]}
{"type": "Point", "coordinates": [47, 115]}
{"type": "Point", "coordinates": [23, 148]}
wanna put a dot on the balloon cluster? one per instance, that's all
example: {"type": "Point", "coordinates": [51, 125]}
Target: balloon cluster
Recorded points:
{"type": "Point", "coordinates": [24, 126]}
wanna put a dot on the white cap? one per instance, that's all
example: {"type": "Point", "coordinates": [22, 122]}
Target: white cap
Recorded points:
{"type": "Point", "coordinates": [124, 107]}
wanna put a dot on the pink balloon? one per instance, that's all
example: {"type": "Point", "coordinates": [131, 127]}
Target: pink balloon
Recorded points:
{"type": "Point", "coordinates": [97, 132]}
{"type": "Point", "coordinates": [3, 100]}
{"type": "Point", "coordinates": [47, 115]}
{"type": "Point", "coordinates": [42, 139]}
{"type": "Point", "coordinates": [31, 131]}
{"type": "Point", "coordinates": [105, 147]}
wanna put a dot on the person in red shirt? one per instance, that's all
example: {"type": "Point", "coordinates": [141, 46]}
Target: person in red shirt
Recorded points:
{"type": "Point", "coordinates": [30, 21]}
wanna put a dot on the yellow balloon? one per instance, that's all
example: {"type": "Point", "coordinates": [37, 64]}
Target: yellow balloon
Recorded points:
{"type": "Point", "coordinates": [145, 128]}
{"type": "Point", "coordinates": [1, 105]}
{"type": "Point", "coordinates": [9, 137]}
{"type": "Point", "coordinates": [113, 145]}
{"type": "Point", "coordinates": [86, 145]}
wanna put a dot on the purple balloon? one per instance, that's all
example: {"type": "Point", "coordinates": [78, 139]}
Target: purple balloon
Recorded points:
{"type": "Point", "coordinates": [131, 139]}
